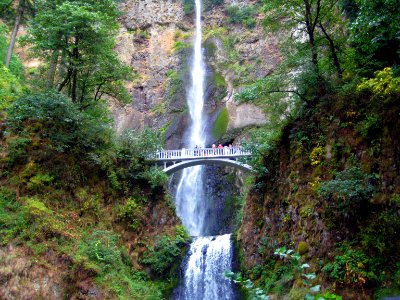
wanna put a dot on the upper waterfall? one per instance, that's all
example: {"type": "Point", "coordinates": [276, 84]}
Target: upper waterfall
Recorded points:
{"type": "Point", "coordinates": [191, 207]}
{"type": "Point", "coordinates": [196, 94]}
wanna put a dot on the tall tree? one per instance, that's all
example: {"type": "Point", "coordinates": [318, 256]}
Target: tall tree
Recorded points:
{"type": "Point", "coordinates": [308, 22]}
{"type": "Point", "coordinates": [82, 32]}
{"type": "Point", "coordinates": [23, 6]}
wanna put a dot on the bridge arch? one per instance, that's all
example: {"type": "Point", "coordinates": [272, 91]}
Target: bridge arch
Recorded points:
{"type": "Point", "coordinates": [196, 162]}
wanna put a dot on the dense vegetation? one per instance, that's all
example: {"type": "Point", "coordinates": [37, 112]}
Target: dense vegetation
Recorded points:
{"type": "Point", "coordinates": [321, 219]}
{"type": "Point", "coordinates": [71, 187]}
{"type": "Point", "coordinates": [328, 161]}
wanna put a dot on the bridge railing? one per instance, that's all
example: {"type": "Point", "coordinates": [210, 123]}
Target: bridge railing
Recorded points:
{"type": "Point", "coordinates": [199, 153]}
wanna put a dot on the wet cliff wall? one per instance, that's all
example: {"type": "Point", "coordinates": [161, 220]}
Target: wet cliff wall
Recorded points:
{"type": "Point", "coordinates": [331, 193]}
{"type": "Point", "coordinates": [155, 39]}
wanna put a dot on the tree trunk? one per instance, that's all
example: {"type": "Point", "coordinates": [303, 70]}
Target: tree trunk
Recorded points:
{"type": "Point", "coordinates": [20, 13]}
{"type": "Point", "coordinates": [75, 72]}
{"type": "Point", "coordinates": [310, 27]}
{"type": "Point", "coordinates": [52, 70]}
{"type": "Point", "coordinates": [332, 47]}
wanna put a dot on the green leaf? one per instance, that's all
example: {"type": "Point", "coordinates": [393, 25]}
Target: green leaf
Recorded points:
{"type": "Point", "coordinates": [310, 276]}
{"type": "Point", "coordinates": [315, 288]}
{"type": "Point", "coordinates": [304, 266]}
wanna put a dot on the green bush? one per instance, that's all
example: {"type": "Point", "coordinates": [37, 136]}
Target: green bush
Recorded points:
{"type": "Point", "coordinates": [244, 16]}
{"type": "Point", "coordinates": [189, 5]}
{"type": "Point", "coordinates": [10, 88]}
{"type": "Point", "coordinates": [17, 149]}
{"type": "Point", "coordinates": [353, 268]}
{"type": "Point", "coordinates": [176, 85]}
{"type": "Point", "coordinates": [43, 223]}
{"type": "Point", "coordinates": [101, 248]}
{"type": "Point", "coordinates": [381, 232]}
{"type": "Point", "coordinates": [16, 68]}
{"type": "Point", "coordinates": [54, 117]}
{"type": "Point", "coordinates": [350, 189]}
{"type": "Point", "coordinates": [131, 212]}
{"type": "Point", "coordinates": [156, 177]}
{"type": "Point", "coordinates": [12, 219]}
{"type": "Point", "coordinates": [370, 127]}
{"type": "Point", "coordinates": [168, 252]}
{"type": "Point", "coordinates": [39, 181]}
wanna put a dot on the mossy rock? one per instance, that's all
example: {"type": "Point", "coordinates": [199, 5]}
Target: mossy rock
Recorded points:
{"type": "Point", "coordinates": [219, 80]}
{"type": "Point", "coordinates": [302, 248]}
{"type": "Point", "coordinates": [298, 293]}
{"type": "Point", "coordinates": [221, 124]}
{"type": "Point", "coordinates": [210, 48]}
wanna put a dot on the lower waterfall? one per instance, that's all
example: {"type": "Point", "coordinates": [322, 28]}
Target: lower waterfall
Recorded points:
{"type": "Point", "coordinates": [208, 259]}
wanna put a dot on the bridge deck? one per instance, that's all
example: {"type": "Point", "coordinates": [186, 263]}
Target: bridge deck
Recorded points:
{"type": "Point", "coordinates": [204, 153]}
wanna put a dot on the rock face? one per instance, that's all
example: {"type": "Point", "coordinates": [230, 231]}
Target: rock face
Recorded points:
{"type": "Point", "coordinates": [147, 13]}
{"type": "Point", "coordinates": [155, 39]}
{"type": "Point", "coordinates": [244, 115]}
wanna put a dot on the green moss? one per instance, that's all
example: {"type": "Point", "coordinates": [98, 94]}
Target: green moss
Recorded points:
{"type": "Point", "coordinates": [180, 45]}
{"type": "Point", "coordinates": [298, 293]}
{"type": "Point", "coordinates": [302, 247]}
{"type": "Point", "coordinates": [221, 124]}
{"type": "Point", "coordinates": [210, 48]}
{"type": "Point", "coordinates": [219, 80]}
{"type": "Point", "coordinates": [176, 84]}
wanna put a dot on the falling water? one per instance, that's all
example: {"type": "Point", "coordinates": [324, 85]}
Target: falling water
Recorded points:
{"type": "Point", "coordinates": [190, 191]}
{"type": "Point", "coordinates": [208, 257]}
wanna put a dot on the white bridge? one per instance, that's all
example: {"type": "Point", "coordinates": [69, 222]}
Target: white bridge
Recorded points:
{"type": "Point", "coordinates": [175, 160]}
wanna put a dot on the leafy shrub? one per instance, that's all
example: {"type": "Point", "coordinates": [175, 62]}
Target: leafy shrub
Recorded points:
{"type": "Point", "coordinates": [54, 117]}
{"type": "Point", "coordinates": [43, 224]}
{"type": "Point", "coordinates": [370, 127]}
{"type": "Point", "coordinates": [39, 181]}
{"type": "Point", "coordinates": [156, 177]}
{"type": "Point", "coordinates": [189, 5]}
{"type": "Point", "coordinates": [176, 85]}
{"type": "Point", "coordinates": [244, 16]}
{"type": "Point", "coordinates": [130, 213]}
{"type": "Point", "coordinates": [139, 145]}
{"type": "Point", "coordinates": [180, 45]}
{"type": "Point", "coordinates": [101, 248]}
{"type": "Point", "coordinates": [353, 268]}
{"type": "Point", "coordinates": [100, 253]}
{"type": "Point", "coordinates": [350, 189]}
{"type": "Point", "coordinates": [17, 149]}
{"type": "Point", "coordinates": [12, 218]}
{"type": "Point", "coordinates": [16, 68]}
{"type": "Point", "coordinates": [317, 154]}
{"type": "Point", "coordinates": [255, 293]}
{"type": "Point", "coordinates": [10, 88]}
{"type": "Point", "coordinates": [167, 253]}
{"type": "Point", "coordinates": [385, 87]}
{"type": "Point", "coordinates": [380, 234]}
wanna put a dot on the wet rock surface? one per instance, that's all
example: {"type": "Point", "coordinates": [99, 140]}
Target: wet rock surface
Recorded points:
{"type": "Point", "coordinates": [150, 37]}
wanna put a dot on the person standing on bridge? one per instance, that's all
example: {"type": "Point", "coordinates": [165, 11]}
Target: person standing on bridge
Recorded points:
{"type": "Point", "coordinates": [220, 151]}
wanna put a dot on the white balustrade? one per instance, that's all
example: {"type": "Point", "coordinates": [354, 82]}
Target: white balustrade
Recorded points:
{"type": "Point", "coordinates": [200, 153]}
